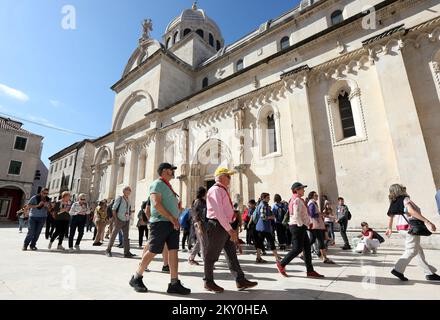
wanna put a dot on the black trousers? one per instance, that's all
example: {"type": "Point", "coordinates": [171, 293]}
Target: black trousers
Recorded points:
{"type": "Point", "coordinates": [343, 226]}
{"type": "Point", "coordinates": [269, 238]}
{"type": "Point", "coordinates": [318, 235]}
{"type": "Point", "coordinates": [50, 226]}
{"type": "Point", "coordinates": [60, 229]}
{"type": "Point", "coordinates": [281, 234]}
{"type": "Point", "coordinates": [300, 243]}
{"type": "Point", "coordinates": [142, 230]}
{"type": "Point", "coordinates": [185, 238]}
{"type": "Point", "coordinates": [78, 222]}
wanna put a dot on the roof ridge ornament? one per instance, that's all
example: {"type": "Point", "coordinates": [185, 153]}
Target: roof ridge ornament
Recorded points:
{"type": "Point", "coordinates": [194, 6]}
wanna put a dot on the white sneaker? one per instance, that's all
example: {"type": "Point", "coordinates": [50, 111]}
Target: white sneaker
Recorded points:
{"type": "Point", "coordinates": [61, 248]}
{"type": "Point", "coordinates": [77, 248]}
{"type": "Point", "coordinates": [50, 245]}
{"type": "Point", "coordinates": [71, 250]}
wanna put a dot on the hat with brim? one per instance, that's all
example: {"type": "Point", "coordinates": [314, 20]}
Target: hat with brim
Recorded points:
{"type": "Point", "coordinates": [221, 171]}
{"type": "Point", "coordinates": [164, 166]}
{"type": "Point", "coordinates": [298, 185]}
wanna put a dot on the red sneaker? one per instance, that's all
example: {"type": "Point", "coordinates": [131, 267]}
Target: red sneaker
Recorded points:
{"type": "Point", "coordinates": [314, 274]}
{"type": "Point", "coordinates": [281, 269]}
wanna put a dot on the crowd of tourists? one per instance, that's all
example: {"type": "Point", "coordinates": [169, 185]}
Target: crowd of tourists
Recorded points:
{"type": "Point", "coordinates": [212, 224]}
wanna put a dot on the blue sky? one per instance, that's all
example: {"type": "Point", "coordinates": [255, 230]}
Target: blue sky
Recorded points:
{"type": "Point", "coordinates": [61, 78]}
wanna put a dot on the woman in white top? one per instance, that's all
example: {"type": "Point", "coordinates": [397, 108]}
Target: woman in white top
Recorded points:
{"type": "Point", "coordinates": [401, 205]}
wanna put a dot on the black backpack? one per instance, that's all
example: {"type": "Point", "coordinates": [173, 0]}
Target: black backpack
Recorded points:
{"type": "Point", "coordinates": [378, 237]}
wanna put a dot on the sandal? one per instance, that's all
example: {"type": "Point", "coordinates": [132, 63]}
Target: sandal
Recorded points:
{"type": "Point", "coordinates": [193, 262]}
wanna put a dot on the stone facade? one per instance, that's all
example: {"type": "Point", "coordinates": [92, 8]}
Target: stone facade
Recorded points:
{"type": "Point", "coordinates": [273, 106]}
{"type": "Point", "coordinates": [20, 157]}
{"type": "Point", "coordinates": [70, 170]}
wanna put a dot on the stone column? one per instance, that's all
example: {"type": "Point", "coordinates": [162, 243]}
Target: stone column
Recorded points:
{"type": "Point", "coordinates": [113, 172]}
{"type": "Point", "coordinates": [302, 133]}
{"type": "Point", "coordinates": [406, 133]}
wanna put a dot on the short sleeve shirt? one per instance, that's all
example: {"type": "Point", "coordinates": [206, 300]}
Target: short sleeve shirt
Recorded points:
{"type": "Point", "coordinates": [169, 201]}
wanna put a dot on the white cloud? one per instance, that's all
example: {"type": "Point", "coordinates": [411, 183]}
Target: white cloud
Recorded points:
{"type": "Point", "coordinates": [13, 93]}
{"type": "Point", "coordinates": [55, 103]}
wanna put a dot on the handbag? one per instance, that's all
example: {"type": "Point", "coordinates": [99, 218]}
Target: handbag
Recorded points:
{"type": "Point", "coordinates": [417, 227]}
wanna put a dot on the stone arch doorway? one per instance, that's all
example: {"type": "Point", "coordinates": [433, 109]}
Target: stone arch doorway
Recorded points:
{"type": "Point", "coordinates": [12, 199]}
{"type": "Point", "coordinates": [210, 155]}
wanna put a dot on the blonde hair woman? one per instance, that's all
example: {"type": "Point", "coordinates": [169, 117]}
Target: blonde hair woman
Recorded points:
{"type": "Point", "coordinates": [405, 209]}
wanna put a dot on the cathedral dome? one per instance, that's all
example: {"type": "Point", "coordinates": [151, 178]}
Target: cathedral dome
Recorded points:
{"type": "Point", "coordinates": [196, 20]}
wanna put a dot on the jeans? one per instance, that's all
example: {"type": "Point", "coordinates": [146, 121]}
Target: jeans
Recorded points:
{"type": "Point", "coordinates": [78, 222]}
{"type": "Point", "coordinates": [20, 223]}
{"type": "Point", "coordinates": [35, 225]}
{"type": "Point", "coordinates": [343, 224]}
{"type": "Point", "coordinates": [300, 243]}
{"type": "Point", "coordinates": [331, 230]}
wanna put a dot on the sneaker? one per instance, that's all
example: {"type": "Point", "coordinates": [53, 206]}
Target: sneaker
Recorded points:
{"type": "Point", "coordinates": [399, 275]}
{"type": "Point", "coordinates": [129, 255]}
{"type": "Point", "coordinates": [108, 254]}
{"type": "Point", "coordinates": [50, 245]}
{"type": "Point", "coordinates": [328, 261]}
{"type": "Point", "coordinates": [71, 250]}
{"type": "Point", "coordinates": [61, 248]}
{"type": "Point", "coordinates": [281, 269]}
{"type": "Point", "coordinates": [212, 286]}
{"type": "Point", "coordinates": [34, 248]}
{"type": "Point", "coordinates": [433, 277]}
{"type": "Point", "coordinates": [166, 269]}
{"type": "Point", "coordinates": [346, 247]}
{"type": "Point", "coordinates": [19, 231]}
{"type": "Point", "coordinates": [24, 248]}
{"type": "Point", "coordinates": [138, 284]}
{"type": "Point", "coordinates": [177, 288]}
{"type": "Point", "coordinates": [121, 246]}
{"type": "Point", "coordinates": [77, 247]}
{"type": "Point", "coordinates": [260, 260]}
{"type": "Point", "coordinates": [184, 250]}
{"type": "Point", "coordinates": [245, 284]}
{"type": "Point", "coordinates": [374, 251]}
{"type": "Point", "coordinates": [97, 244]}
{"type": "Point", "coordinates": [314, 274]}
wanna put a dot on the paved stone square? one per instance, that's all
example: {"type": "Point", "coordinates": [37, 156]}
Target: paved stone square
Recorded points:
{"type": "Point", "coordinates": [91, 275]}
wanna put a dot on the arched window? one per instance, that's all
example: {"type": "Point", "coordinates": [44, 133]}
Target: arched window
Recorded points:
{"type": "Point", "coordinates": [219, 46]}
{"type": "Point", "coordinates": [239, 65]}
{"type": "Point", "coordinates": [336, 17]}
{"type": "Point", "coordinates": [186, 32]}
{"type": "Point", "coordinates": [284, 43]}
{"type": "Point", "coordinates": [175, 39]}
{"type": "Point", "coordinates": [271, 134]}
{"type": "Point", "coordinates": [142, 165]}
{"type": "Point", "coordinates": [346, 113]}
{"type": "Point", "coordinates": [121, 171]}
{"type": "Point", "coordinates": [205, 82]}
{"type": "Point", "coordinates": [211, 40]}
{"type": "Point", "coordinates": [168, 43]}
{"type": "Point", "coordinates": [200, 33]}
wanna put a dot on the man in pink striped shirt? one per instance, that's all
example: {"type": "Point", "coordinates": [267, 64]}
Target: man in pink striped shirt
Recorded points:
{"type": "Point", "coordinates": [221, 236]}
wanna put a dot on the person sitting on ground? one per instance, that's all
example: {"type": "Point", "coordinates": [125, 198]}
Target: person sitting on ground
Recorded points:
{"type": "Point", "coordinates": [370, 240]}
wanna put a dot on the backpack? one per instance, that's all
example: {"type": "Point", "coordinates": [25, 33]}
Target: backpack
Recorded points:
{"type": "Point", "coordinates": [348, 214]}
{"type": "Point", "coordinates": [255, 216]}
{"type": "Point", "coordinates": [378, 237]}
{"type": "Point", "coordinates": [183, 219]}
{"type": "Point", "coordinates": [280, 214]}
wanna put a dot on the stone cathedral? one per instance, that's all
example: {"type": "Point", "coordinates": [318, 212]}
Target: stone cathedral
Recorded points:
{"type": "Point", "coordinates": [341, 95]}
